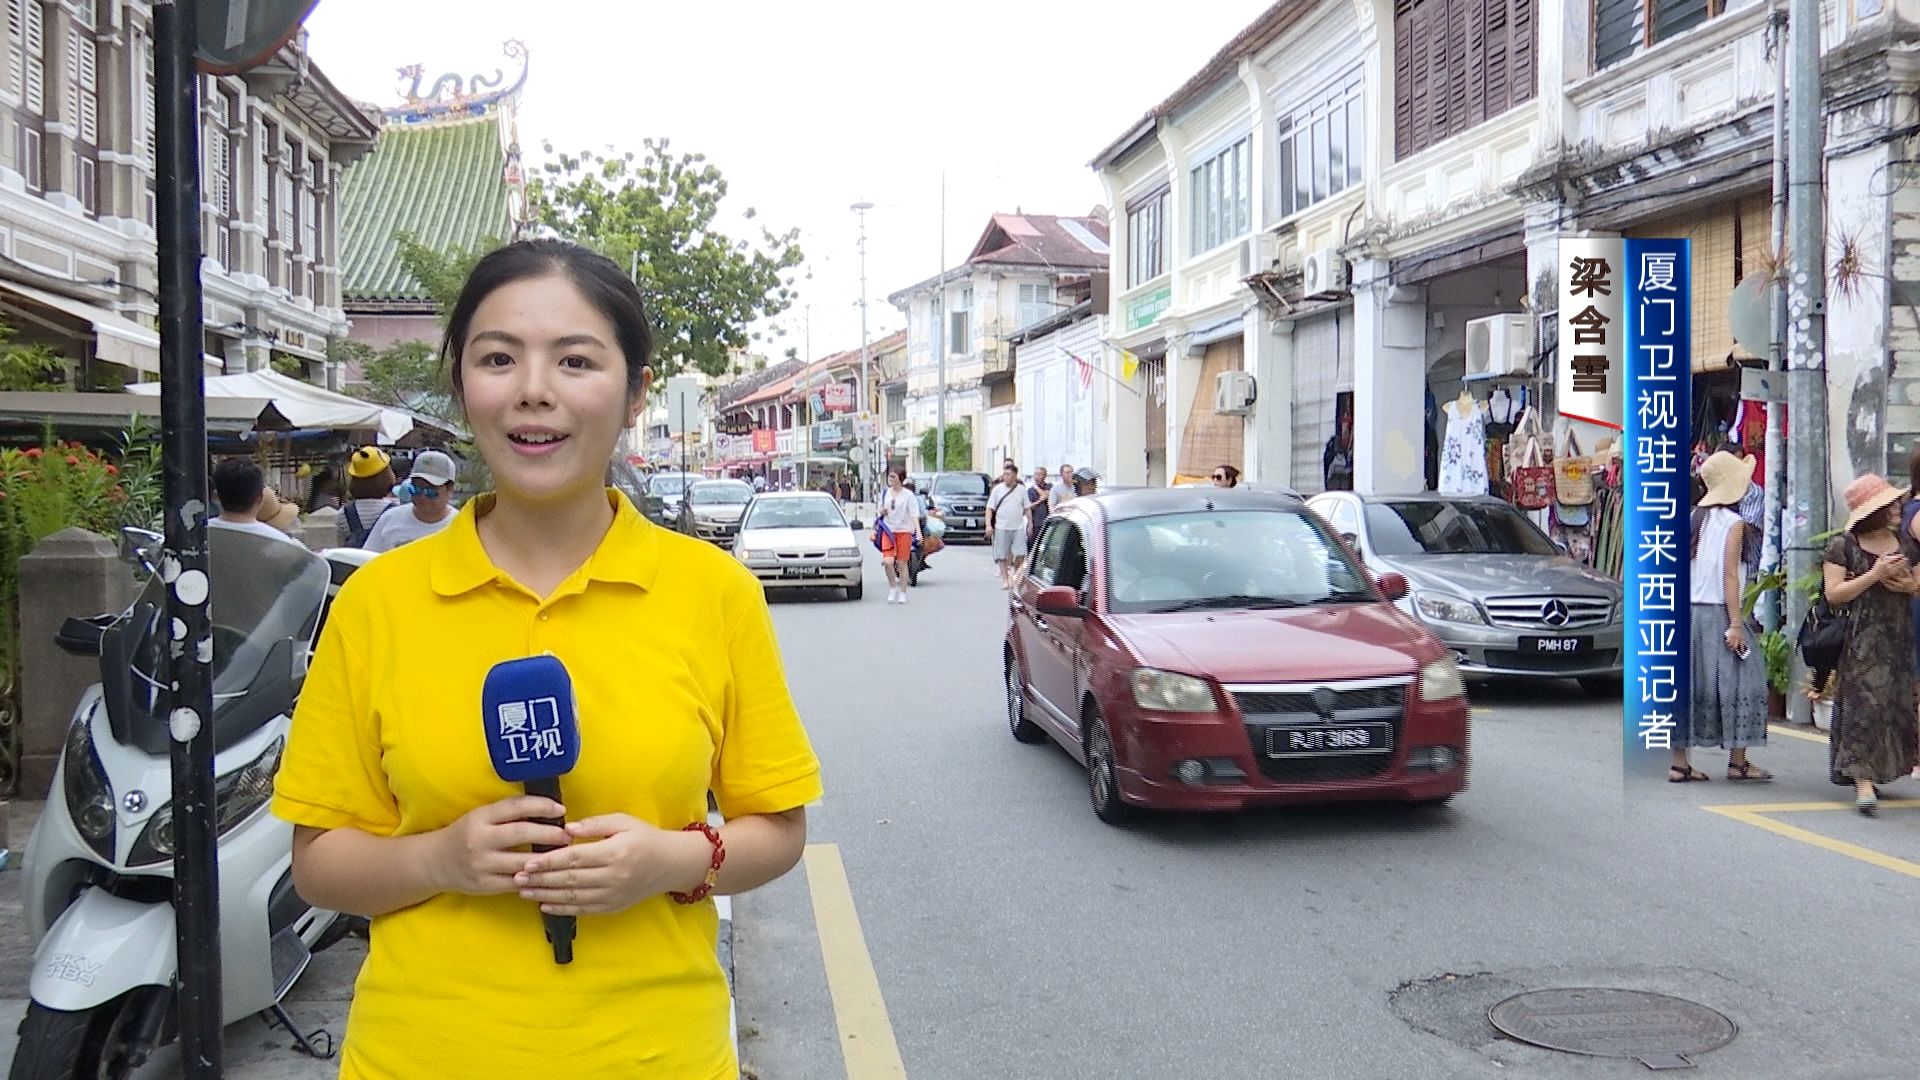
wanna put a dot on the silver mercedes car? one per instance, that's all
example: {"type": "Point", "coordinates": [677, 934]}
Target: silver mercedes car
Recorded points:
{"type": "Point", "coordinates": [1502, 595]}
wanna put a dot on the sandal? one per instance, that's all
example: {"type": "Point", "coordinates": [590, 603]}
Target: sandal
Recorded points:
{"type": "Point", "coordinates": [1747, 771]}
{"type": "Point", "coordinates": [1680, 774]}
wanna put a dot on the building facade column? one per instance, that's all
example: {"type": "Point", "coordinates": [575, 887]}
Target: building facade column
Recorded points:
{"type": "Point", "coordinates": [1269, 351]}
{"type": "Point", "coordinates": [1389, 381]}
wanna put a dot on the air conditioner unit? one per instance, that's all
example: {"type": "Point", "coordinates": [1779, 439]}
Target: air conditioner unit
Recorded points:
{"type": "Point", "coordinates": [1324, 273]}
{"type": "Point", "coordinates": [1499, 345]}
{"type": "Point", "coordinates": [1259, 254]}
{"type": "Point", "coordinates": [1234, 393]}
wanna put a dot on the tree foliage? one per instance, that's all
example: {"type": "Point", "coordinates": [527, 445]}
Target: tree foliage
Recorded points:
{"type": "Point", "coordinates": [656, 213]}
{"type": "Point", "coordinates": [409, 375]}
{"type": "Point", "coordinates": [28, 367]}
{"type": "Point", "coordinates": [959, 447]}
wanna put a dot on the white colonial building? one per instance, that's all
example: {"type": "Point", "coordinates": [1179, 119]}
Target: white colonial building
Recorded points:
{"type": "Point", "coordinates": [1007, 282]}
{"type": "Point", "coordinates": [1346, 186]}
{"type": "Point", "coordinates": [77, 167]}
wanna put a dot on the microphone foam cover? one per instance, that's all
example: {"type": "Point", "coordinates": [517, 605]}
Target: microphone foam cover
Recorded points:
{"type": "Point", "coordinates": [527, 708]}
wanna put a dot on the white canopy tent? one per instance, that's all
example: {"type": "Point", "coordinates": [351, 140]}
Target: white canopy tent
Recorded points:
{"type": "Point", "coordinates": [303, 404]}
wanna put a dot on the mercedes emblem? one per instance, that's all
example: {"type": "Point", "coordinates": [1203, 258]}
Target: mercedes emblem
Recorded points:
{"type": "Point", "coordinates": [1554, 613]}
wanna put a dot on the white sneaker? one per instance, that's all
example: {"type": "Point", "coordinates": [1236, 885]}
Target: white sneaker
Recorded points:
{"type": "Point", "coordinates": [903, 596]}
{"type": "Point", "coordinates": [894, 597]}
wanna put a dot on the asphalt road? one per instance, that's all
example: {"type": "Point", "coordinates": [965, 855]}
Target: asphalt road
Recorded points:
{"type": "Point", "coordinates": [963, 915]}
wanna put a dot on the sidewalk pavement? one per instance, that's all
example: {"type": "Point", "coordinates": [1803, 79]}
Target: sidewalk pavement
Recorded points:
{"type": "Point", "coordinates": [253, 1050]}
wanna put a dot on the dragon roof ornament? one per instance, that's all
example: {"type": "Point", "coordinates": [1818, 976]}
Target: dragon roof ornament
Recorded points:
{"type": "Point", "coordinates": [453, 97]}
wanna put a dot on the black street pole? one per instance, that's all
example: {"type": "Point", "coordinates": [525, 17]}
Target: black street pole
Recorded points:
{"type": "Point", "coordinates": [183, 454]}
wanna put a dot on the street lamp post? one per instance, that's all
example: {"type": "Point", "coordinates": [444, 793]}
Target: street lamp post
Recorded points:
{"type": "Point", "coordinates": [866, 394]}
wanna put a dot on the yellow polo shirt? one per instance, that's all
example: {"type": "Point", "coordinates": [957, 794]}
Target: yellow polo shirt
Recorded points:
{"type": "Point", "coordinates": [680, 688]}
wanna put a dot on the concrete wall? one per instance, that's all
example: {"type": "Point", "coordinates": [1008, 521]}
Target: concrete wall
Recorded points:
{"type": "Point", "coordinates": [385, 331]}
{"type": "Point", "coordinates": [73, 572]}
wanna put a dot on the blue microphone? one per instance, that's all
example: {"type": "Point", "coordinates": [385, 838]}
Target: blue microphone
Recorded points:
{"type": "Point", "coordinates": [533, 737]}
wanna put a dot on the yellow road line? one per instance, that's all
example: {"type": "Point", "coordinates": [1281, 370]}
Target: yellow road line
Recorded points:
{"type": "Point", "coordinates": [866, 1034]}
{"type": "Point", "coordinates": [1796, 733]}
{"type": "Point", "coordinates": [1806, 807]}
{"type": "Point", "coordinates": [1752, 815]}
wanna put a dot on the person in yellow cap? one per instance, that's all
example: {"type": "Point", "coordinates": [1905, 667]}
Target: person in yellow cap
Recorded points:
{"type": "Point", "coordinates": [370, 484]}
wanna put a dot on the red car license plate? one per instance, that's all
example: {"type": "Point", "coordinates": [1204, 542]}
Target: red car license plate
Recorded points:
{"type": "Point", "coordinates": [1329, 739]}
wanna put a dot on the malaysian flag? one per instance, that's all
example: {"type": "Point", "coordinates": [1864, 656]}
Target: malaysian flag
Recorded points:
{"type": "Point", "coordinates": [1085, 371]}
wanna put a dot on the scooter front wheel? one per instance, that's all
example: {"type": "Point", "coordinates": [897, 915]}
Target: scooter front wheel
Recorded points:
{"type": "Point", "coordinates": [84, 1045]}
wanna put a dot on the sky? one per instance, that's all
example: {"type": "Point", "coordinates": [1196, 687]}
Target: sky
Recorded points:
{"type": "Point", "coordinates": [809, 108]}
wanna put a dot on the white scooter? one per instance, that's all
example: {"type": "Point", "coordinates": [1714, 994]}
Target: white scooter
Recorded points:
{"type": "Point", "coordinates": [98, 871]}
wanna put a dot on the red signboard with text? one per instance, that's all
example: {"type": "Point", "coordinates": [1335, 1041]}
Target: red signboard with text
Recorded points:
{"type": "Point", "coordinates": [763, 441]}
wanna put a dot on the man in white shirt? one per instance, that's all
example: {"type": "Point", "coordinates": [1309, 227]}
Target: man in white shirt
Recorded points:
{"type": "Point", "coordinates": [1007, 519]}
{"type": "Point", "coordinates": [431, 486]}
{"type": "Point", "coordinates": [241, 487]}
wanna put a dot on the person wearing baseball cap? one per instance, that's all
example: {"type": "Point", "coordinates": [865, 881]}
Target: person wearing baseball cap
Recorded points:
{"type": "Point", "coordinates": [430, 486]}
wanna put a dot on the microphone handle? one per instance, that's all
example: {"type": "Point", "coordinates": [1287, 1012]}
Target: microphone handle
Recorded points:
{"type": "Point", "coordinates": [560, 928]}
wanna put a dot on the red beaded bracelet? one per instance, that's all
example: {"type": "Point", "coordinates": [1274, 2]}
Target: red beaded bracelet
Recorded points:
{"type": "Point", "coordinates": [713, 870]}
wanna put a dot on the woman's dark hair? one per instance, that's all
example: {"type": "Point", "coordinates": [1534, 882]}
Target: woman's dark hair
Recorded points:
{"type": "Point", "coordinates": [1233, 475]}
{"type": "Point", "coordinates": [603, 284]}
{"type": "Point", "coordinates": [1876, 520]}
{"type": "Point", "coordinates": [326, 484]}
{"type": "Point", "coordinates": [901, 473]}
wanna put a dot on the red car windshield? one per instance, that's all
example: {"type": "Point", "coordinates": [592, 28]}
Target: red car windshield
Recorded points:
{"type": "Point", "coordinates": [1226, 559]}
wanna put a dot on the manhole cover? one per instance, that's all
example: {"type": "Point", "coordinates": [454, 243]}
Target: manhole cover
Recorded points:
{"type": "Point", "coordinates": [1660, 1032]}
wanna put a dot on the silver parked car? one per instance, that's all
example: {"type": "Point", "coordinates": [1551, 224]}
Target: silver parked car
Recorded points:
{"type": "Point", "coordinates": [1502, 595]}
{"type": "Point", "coordinates": [712, 509]}
{"type": "Point", "coordinates": [800, 539]}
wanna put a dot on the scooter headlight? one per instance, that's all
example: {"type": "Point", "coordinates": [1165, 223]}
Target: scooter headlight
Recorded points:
{"type": "Point", "coordinates": [237, 796]}
{"type": "Point", "coordinates": [89, 796]}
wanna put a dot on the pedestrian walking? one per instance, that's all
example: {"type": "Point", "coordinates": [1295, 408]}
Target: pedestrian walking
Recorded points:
{"type": "Point", "coordinates": [1226, 476]}
{"type": "Point", "coordinates": [370, 484]}
{"type": "Point", "coordinates": [1007, 523]}
{"type": "Point", "coordinates": [429, 489]}
{"type": "Point", "coordinates": [1728, 705]}
{"type": "Point", "coordinates": [398, 812]}
{"type": "Point", "coordinates": [1910, 538]}
{"type": "Point", "coordinates": [1868, 571]}
{"type": "Point", "coordinates": [1062, 488]}
{"type": "Point", "coordinates": [898, 525]}
{"type": "Point", "coordinates": [1039, 506]}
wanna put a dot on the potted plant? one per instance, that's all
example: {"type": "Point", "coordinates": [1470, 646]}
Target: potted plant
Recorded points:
{"type": "Point", "coordinates": [1776, 648]}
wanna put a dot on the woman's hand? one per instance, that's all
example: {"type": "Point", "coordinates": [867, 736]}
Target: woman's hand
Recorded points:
{"type": "Point", "coordinates": [476, 855]}
{"type": "Point", "coordinates": [1889, 567]}
{"type": "Point", "coordinates": [1737, 639]}
{"type": "Point", "coordinates": [624, 861]}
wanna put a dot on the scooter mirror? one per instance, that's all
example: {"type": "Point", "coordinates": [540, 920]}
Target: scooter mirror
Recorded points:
{"type": "Point", "coordinates": [141, 547]}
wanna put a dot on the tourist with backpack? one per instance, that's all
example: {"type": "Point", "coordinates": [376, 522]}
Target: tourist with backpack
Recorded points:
{"type": "Point", "coordinates": [370, 484]}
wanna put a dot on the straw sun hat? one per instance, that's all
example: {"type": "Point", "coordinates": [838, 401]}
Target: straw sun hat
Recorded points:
{"type": "Point", "coordinates": [1727, 478]}
{"type": "Point", "coordinates": [1866, 495]}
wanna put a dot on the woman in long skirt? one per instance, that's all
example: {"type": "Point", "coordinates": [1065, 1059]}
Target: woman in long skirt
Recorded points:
{"type": "Point", "coordinates": [1867, 572]}
{"type": "Point", "coordinates": [1728, 703]}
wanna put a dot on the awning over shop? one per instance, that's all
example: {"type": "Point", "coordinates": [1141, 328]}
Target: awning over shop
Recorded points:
{"type": "Point", "coordinates": [116, 338]}
{"type": "Point", "coordinates": [114, 412]}
{"type": "Point", "coordinates": [305, 405]}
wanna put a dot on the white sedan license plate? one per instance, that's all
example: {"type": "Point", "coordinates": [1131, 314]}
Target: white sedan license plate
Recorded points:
{"type": "Point", "coordinates": [970, 523]}
{"type": "Point", "coordinates": [799, 571]}
{"type": "Point", "coordinates": [1293, 742]}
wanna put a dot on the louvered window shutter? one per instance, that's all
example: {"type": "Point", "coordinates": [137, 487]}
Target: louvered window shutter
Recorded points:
{"type": "Point", "coordinates": [89, 81]}
{"type": "Point", "coordinates": [1523, 67]}
{"type": "Point", "coordinates": [16, 47]}
{"type": "Point", "coordinates": [1498, 68]}
{"type": "Point", "coordinates": [1405, 50]}
{"type": "Point", "coordinates": [36, 57]}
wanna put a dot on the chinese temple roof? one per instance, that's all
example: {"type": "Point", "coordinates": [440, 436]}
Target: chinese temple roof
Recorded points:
{"type": "Point", "coordinates": [446, 170]}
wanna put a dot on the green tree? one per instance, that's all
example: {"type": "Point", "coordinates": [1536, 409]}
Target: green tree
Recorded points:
{"type": "Point", "coordinates": [959, 447]}
{"type": "Point", "coordinates": [409, 374]}
{"type": "Point", "coordinates": [656, 213]}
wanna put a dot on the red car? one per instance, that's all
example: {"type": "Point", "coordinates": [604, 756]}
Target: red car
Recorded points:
{"type": "Point", "coordinates": [1210, 649]}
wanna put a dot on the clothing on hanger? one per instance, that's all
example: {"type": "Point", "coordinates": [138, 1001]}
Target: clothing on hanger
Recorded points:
{"type": "Point", "coordinates": [1500, 406]}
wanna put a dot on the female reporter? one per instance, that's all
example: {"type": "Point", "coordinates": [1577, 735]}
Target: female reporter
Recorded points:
{"type": "Point", "coordinates": [399, 815]}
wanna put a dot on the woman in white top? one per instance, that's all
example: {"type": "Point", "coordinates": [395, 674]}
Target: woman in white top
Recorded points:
{"type": "Point", "coordinates": [1728, 703]}
{"type": "Point", "coordinates": [897, 529]}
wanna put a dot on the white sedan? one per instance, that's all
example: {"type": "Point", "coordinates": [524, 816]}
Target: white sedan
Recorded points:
{"type": "Point", "coordinates": [800, 539]}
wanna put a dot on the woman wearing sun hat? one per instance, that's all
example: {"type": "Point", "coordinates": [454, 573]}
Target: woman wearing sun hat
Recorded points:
{"type": "Point", "coordinates": [1867, 570]}
{"type": "Point", "coordinates": [1728, 705]}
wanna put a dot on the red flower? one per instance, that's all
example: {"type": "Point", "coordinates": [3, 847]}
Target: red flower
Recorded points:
{"type": "Point", "coordinates": [71, 460]}
{"type": "Point", "coordinates": [112, 471]}
{"type": "Point", "coordinates": [33, 452]}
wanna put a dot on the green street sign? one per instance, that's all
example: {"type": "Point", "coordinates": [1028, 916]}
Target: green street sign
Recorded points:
{"type": "Point", "coordinates": [236, 35]}
{"type": "Point", "coordinates": [1143, 310]}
